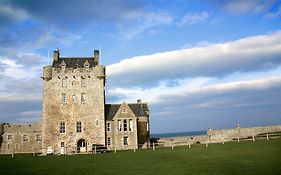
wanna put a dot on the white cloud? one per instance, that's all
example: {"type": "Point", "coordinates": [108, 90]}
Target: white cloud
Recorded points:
{"type": "Point", "coordinates": [193, 18]}
{"type": "Point", "coordinates": [245, 6]}
{"type": "Point", "coordinates": [255, 53]}
{"type": "Point", "coordinates": [145, 22]}
{"type": "Point", "coordinates": [13, 13]}
{"type": "Point", "coordinates": [15, 70]}
{"type": "Point", "coordinates": [31, 113]}
{"type": "Point", "coordinates": [190, 88]}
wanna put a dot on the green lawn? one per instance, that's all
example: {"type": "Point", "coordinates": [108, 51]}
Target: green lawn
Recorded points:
{"type": "Point", "coordinates": [259, 157]}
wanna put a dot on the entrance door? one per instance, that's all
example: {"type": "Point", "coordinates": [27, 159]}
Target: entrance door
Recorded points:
{"type": "Point", "coordinates": [81, 146]}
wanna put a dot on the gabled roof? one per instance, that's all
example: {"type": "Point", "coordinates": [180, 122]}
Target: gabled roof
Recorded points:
{"type": "Point", "coordinates": [138, 110]}
{"type": "Point", "coordinates": [74, 62]}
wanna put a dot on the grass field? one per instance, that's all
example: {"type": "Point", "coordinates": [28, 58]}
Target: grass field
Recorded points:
{"type": "Point", "coordinates": [259, 157]}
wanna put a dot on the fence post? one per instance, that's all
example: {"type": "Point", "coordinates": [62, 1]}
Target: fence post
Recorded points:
{"type": "Point", "coordinates": [153, 145]}
{"type": "Point", "coordinates": [267, 138]}
{"type": "Point", "coordinates": [189, 145]}
{"type": "Point", "coordinates": [238, 140]}
{"type": "Point", "coordinates": [253, 138]}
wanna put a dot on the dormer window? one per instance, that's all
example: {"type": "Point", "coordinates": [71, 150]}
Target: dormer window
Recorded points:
{"type": "Point", "coordinates": [86, 64]}
{"type": "Point", "coordinates": [63, 64]}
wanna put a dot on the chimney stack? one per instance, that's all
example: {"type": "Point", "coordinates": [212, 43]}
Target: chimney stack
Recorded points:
{"type": "Point", "coordinates": [139, 101]}
{"type": "Point", "coordinates": [56, 55]}
{"type": "Point", "coordinates": [96, 56]}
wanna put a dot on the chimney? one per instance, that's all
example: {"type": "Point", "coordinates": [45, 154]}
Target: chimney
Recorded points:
{"type": "Point", "coordinates": [96, 56]}
{"type": "Point", "coordinates": [139, 101]}
{"type": "Point", "coordinates": [56, 55]}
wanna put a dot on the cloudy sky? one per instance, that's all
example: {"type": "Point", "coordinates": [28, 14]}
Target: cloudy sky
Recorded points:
{"type": "Point", "coordinates": [198, 64]}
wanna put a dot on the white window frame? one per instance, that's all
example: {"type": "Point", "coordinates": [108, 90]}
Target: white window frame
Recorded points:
{"type": "Point", "coordinates": [78, 127]}
{"type": "Point", "coordinates": [83, 82]}
{"type": "Point", "coordinates": [63, 98]}
{"type": "Point", "coordinates": [62, 128]}
{"type": "Point", "coordinates": [38, 137]}
{"type": "Point", "coordinates": [119, 125]}
{"type": "Point", "coordinates": [108, 141]}
{"type": "Point", "coordinates": [125, 125]}
{"type": "Point", "coordinates": [10, 137]}
{"type": "Point", "coordinates": [131, 125]}
{"type": "Point", "coordinates": [24, 138]}
{"type": "Point", "coordinates": [108, 126]}
{"type": "Point", "coordinates": [126, 140]}
{"type": "Point", "coordinates": [64, 83]}
{"type": "Point", "coordinates": [74, 99]}
{"type": "Point", "coordinates": [83, 97]}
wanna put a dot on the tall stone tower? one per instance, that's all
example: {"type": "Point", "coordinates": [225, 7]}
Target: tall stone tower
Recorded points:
{"type": "Point", "coordinates": [73, 104]}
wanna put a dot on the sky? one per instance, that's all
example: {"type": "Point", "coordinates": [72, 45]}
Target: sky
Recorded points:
{"type": "Point", "coordinates": [198, 64]}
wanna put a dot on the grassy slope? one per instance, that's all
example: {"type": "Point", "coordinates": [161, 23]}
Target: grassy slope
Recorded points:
{"type": "Point", "coordinates": [260, 157]}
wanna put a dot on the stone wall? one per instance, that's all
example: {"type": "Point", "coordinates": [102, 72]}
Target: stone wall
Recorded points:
{"type": "Point", "coordinates": [217, 136]}
{"type": "Point", "coordinates": [90, 112]}
{"type": "Point", "coordinates": [241, 133]}
{"type": "Point", "coordinates": [21, 138]}
{"type": "Point", "coordinates": [130, 134]}
{"type": "Point", "coordinates": [1, 133]}
{"type": "Point", "coordinates": [143, 131]}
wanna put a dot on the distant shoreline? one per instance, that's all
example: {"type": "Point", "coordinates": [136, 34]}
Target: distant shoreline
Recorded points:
{"type": "Point", "coordinates": [178, 134]}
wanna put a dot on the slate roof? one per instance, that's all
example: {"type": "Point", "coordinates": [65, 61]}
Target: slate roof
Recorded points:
{"type": "Point", "coordinates": [138, 110]}
{"type": "Point", "coordinates": [74, 62]}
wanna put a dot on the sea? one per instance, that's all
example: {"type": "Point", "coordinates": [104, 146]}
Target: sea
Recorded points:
{"type": "Point", "coordinates": [178, 134]}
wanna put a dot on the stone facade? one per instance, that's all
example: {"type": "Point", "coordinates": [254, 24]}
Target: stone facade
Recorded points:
{"type": "Point", "coordinates": [123, 124]}
{"type": "Point", "coordinates": [75, 116]}
{"type": "Point", "coordinates": [218, 136]}
{"type": "Point", "coordinates": [25, 138]}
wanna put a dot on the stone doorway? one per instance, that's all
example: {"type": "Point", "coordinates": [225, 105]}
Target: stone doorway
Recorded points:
{"type": "Point", "coordinates": [81, 146]}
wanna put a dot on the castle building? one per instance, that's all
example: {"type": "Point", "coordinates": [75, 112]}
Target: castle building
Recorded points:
{"type": "Point", "coordinates": [76, 118]}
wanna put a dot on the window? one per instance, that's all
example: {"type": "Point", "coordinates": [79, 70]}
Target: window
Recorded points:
{"type": "Point", "coordinates": [83, 98]}
{"type": "Point", "coordinates": [62, 127]}
{"type": "Point", "coordinates": [124, 110]}
{"type": "Point", "coordinates": [108, 126]}
{"type": "Point", "coordinates": [83, 82]}
{"type": "Point", "coordinates": [74, 99]}
{"type": "Point", "coordinates": [62, 144]}
{"type": "Point", "coordinates": [10, 137]}
{"type": "Point", "coordinates": [38, 138]}
{"type": "Point", "coordinates": [74, 83]}
{"type": "Point", "coordinates": [24, 139]}
{"type": "Point", "coordinates": [78, 127]}
{"type": "Point", "coordinates": [124, 125]}
{"type": "Point", "coordinates": [119, 125]}
{"type": "Point", "coordinates": [63, 83]}
{"type": "Point", "coordinates": [63, 97]}
{"type": "Point", "coordinates": [125, 139]}
{"type": "Point", "coordinates": [130, 125]}
{"type": "Point", "coordinates": [108, 141]}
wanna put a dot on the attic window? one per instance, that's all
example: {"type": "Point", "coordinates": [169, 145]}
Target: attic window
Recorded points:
{"type": "Point", "coordinates": [87, 64]}
{"type": "Point", "coordinates": [63, 64]}
{"type": "Point", "coordinates": [124, 110]}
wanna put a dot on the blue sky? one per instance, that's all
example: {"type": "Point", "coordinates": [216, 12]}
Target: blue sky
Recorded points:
{"type": "Point", "coordinates": [198, 64]}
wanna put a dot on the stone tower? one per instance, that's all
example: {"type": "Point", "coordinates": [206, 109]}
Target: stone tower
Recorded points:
{"type": "Point", "coordinates": [73, 104]}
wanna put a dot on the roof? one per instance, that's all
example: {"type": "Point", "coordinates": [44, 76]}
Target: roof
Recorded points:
{"type": "Point", "coordinates": [138, 110]}
{"type": "Point", "coordinates": [74, 62]}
